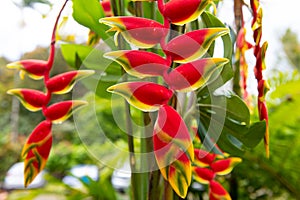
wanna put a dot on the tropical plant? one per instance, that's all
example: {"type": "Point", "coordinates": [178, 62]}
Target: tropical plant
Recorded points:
{"type": "Point", "coordinates": [164, 66]}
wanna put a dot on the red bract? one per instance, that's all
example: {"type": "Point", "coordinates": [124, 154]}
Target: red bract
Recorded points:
{"type": "Point", "coordinates": [203, 175]}
{"type": "Point", "coordinates": [36, 69]}
{"type": "Point", "coordinates": [217, 192]}
{"type": "Point", "coordinates": [36, 151]}
{"type": "Point", "coordinates": [139, 63]}
{"type": "Point", "coordinates": [146, 96]}
{"type": "Point", "coordinates": [33, 100]}
{"type": "Point", "coordinates": [173, 10]}
{"type": "Point", "coordinates": [63, 83]}
{"type": "Point", "coordinates": [141, 32]}
{"type": "Point", "coordinates": [173, 149]}
{"type": "Point", "coordinates": [191, 76]}
{"type": "Point", "coordinates": [203, 158]}
{"type": "Point", "coordinates": [192, 45]}
{"type": "Point", "coordinates": [59, 112]}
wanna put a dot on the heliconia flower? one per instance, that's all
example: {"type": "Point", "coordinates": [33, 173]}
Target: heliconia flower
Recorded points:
{"type": "Point", "coordinates": [146, 96]}
{"type": "Point", "coordinates": [225, 166]}
{"type": "Point", "coordinates": [34, 68]}
{"type": "Point", "coordinates": [203, 175]}
{"type": "Point", "coordinates": [203, 158]}
{"type": "Point", "coordinates": [241, 42]}
{"type": "Point", "coordinates": [33, 100]}
{"type": "Point", "coordinates": [191, 76]}
{"type": "Point", "coordinates": [139, 63]}
{"type": "Point", "coordinates": [192, 45]}
{"type": "Point", "coordinates": [59, 112]}
{"type": "Point", "coordinates": [141, 32]}
{"type": "Point", "coordinates": [217, 192]}
{"type": "Point", "coordinates": [260, 61]}
{"type": "Point", "coordinates": [36, 151]}
{"type": "Point", "coordinates": [192, 9]}
{"type": "Point", "coordinates": [106, 8]}
{"type": "Point", "coordinates": [173, 149]}
{"type": "Point", "coordinates": [63, 83]}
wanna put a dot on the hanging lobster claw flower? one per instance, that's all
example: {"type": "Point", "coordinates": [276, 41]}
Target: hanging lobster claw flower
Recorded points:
{"type": "Point", "coordinates": [63, 83]}
{"type": "Point", "coordinates": [173, 149]}
{"type": "Point", "coordinates": [191, 76]}
{"type": "Point", "coordinates": [141, 32]}
{"type": "Point", "coordinates": [225, 166]}
{"type": "Point", "coordinates": [203, 158]}
{"type": "Point", "coordinates": [33, 100]}
{"type": "Point", "coordinates": [146, 96]}
{"type": "Point", "coordinates": [203, 175]}
{"type": "Point", "coordinates": [34, 68]}
{"type": "Point", "coordinates": [257, 27]}
{"type": "Point", "coordinates": [192, 45]}
{"type": "Point", "coordinates": [36, 151]}
{"type": "Point", "coordinates": [217, 192]}
{"type": "Point", "coordinates": [173, 10]}
{"type": "Point", "coordinates": [139, 63]}
{"type": "Point", "coordinates": [59, 112]}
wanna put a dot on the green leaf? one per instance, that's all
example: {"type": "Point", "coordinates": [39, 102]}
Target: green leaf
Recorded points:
{"type": "Point", "coordinates": [226, 119]}
{"type": "Point", "coordinates": [89, 16]}
{"type": "Point", "coordinates": [227, 72]}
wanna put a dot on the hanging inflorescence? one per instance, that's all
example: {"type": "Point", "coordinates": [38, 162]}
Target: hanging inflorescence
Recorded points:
{"type": "Point", "coordinates": [172, 143]}
{"type": "Point", "coordinates": [38, 145]}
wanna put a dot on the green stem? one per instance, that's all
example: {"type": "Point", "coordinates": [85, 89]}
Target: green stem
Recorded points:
{"type": "Point", "coordinates": [138, 9]}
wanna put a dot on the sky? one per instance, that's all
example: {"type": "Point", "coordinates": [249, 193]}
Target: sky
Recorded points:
{"type": "Point", "coordinates": [22, 30]}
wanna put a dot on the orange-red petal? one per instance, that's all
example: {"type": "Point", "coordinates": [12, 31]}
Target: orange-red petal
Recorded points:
{"type": "Point", "coordinates": [225, 166]}
{"type": "Point", "coordinates": [217, 192]}
{"type": "Point", "coordinates": [203, 175]}
{"type": "Point", "coordinates": [203, 158]}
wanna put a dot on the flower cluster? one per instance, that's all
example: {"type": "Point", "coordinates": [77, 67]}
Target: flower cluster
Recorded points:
{"type": "Point", "coordinates": [37, 147]}
{"type": "Point", "coordinates": [208, 166]}
{"type": "Point", "coordinates": [259, 53]}
{"type": "Point", "coordinates": [172, 143]}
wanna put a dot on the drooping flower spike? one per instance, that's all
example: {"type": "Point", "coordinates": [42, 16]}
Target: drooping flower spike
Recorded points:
{"type": "Point", "coordinates": [37, 147]}
{"type": "Point", "coordinates": [141, 32]}
{"type": "Point", "coordinates": [191, 76]}
{"type": "Point", "coordinates": [173, 149]}
{"type": "Point", "coordinates": [33, 100]}
{"type": "Point", "coordinates": [36, 151]}
{"type": "Point", "coordinates": [146, 96]}
{"type": "Point", "coordinates": [140, 64]}
{"type": "Point", "coordinates": [63, 83]}
{"type": "Point", "coordinates": [173, 10]}
{"type": "Point", "coordinates": [192, 45]}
